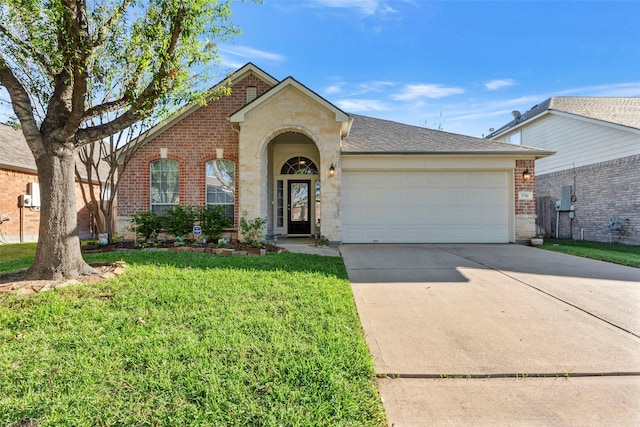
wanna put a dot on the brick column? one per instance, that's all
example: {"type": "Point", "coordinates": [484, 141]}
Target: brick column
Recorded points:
{"type": "Point", "coordinates": [525, 200]}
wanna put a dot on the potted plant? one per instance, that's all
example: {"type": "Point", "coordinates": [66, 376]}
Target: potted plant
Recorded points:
{"type": "Point", "coordinates": [537, 241]}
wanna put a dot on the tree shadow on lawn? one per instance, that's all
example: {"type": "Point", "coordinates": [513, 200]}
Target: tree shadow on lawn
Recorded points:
{"type": "Point", "coordinates": [108, 263]}
{"type": "Point", "coordinates": [287, 261]}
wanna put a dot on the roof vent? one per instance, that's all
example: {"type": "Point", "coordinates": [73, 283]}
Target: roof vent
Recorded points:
{"type": "Point", "coordinates": [516, 114]}
{"type": "Point", "coordinates": [491, 129]}
{"type": "Point", "coordinates": [252, 93]}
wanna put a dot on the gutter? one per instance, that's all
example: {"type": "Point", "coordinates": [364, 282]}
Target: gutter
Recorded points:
{"type": "Point", "coordinates": [537, 154]}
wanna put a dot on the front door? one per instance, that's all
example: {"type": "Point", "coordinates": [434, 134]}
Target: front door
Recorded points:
{"type": "Point", "coordinates": [298, 208]}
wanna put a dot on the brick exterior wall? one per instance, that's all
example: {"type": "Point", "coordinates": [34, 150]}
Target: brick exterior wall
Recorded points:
{"type": "Point", "coordinates": [192, 142]}
{"type": "Point", "coordinates": [13, 184]}
{"type": "Point", "coordinates": [525, 207]}
{"type": "Point", "coordinates": [603, 191]}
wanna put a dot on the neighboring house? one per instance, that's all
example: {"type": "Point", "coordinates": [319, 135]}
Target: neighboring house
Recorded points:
{"type": "Point", "coordinates": [19, 177]}
{"type": "Point", "coordinates": [279, 151]}
{"type": "Point", "coordinates": [597, 141]}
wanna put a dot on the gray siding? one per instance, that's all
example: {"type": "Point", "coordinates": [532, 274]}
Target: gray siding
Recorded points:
{"type": "Point", "coordinates": [578, 142]}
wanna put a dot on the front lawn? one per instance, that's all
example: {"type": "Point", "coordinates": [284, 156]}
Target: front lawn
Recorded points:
{"type": "Point", "coordinates": [191, 339]}
{"type": "Point", "coordinates": [16, 256]}
{"type": "Point", "coordinates": [610, 252]}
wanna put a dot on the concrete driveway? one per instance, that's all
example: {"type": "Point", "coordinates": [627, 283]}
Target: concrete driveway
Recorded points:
{"type": "Point", "coordinates": [499, 334]}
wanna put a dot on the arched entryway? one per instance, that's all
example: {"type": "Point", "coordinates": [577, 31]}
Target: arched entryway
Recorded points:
{"type": "Point", "coordinates": [294, 185]}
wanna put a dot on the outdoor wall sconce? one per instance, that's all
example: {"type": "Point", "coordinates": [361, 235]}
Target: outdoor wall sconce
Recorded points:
{"type": "Point", "coordinates": [332, 170]}
{"type": "Point", "coordinates": [526, 175]}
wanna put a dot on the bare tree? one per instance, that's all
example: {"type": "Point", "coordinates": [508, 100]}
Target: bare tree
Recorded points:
{"type": "Point", "coordinates": [101, 165]}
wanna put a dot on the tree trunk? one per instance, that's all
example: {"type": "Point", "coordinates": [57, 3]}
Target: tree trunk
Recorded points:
{"type": "Point", "coordinates": [58, 254]}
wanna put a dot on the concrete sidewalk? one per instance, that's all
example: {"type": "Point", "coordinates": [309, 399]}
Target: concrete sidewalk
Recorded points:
{"type": "Point", "coordinates": [453, 311]}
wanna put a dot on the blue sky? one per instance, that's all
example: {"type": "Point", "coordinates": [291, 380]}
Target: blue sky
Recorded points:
{"type": "Point", "coordinates": [460, 65]}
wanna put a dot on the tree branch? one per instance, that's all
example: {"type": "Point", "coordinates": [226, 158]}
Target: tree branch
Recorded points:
{"type": "Point", "coordinates": [28, 50]}
{"type": "Point", "coordinates": [22, 107]}
{"type": "Point", "coordinates": [146, 101]}
{"type": "Point", "coordinates": [78, 30]}
{"type": "Point", "coordinates": [104, 29]}
{"type": "Point", "coordinates": [107, 107]}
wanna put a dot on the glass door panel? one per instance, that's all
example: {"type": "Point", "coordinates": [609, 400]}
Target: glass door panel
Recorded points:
{"type": "Point", "coordinates": [298, 208]}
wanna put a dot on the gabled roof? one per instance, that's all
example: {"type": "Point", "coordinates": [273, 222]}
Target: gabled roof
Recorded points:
{"type": "Point", "coordinates": [375, 136]}
{"type": "Point", "coordinates": [16, 154]}
{"type": "Point", "coordinates": [340, 116]}
{"type": "Point", "coordinates": [238, 75]}
{"type": "Point", "coordinates": [612, 110]}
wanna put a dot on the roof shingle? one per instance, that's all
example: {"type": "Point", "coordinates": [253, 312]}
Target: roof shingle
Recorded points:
{"type": "Point", "coordinates": [616, 110]}
{"type": "Point", "coordinates": [15, 153]}
{"type": "Point", "coordinates": [376, 136]}
{"type": "Point", "coordinates": [14, 149]}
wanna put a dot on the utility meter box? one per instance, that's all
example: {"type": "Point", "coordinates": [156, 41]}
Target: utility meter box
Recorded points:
{"type": "Point", "coordinates": [565, 200]}
{"type": "Point", "coordinates": [24, 201]}
{"type": "Point", "coordinates": [33, 188]}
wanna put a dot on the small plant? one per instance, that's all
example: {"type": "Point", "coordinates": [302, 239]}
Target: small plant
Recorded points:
{"type": "Point", "coordinates": [252, 230]}
{"type": "Point", "coordinates": [146, 223]}
{"type": "Point", "coordinates": [323, 241]}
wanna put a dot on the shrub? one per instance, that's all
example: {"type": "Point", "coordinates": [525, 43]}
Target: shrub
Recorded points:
{"type": "Point", "coordinates": [179, 220]}
{"type": "Point", "coordinates": [213, 221]}
{"type": "Point", "coordinates": [146, 223]}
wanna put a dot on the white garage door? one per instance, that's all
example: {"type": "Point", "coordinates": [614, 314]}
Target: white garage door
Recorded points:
{"type": "Point", "coordinates": [425, 207]}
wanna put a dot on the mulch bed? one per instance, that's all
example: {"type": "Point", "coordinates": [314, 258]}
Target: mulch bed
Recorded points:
{"type": "Point", "coordinates": [170, 245]}
{"type": "Point", "coordinates": [14, 282]}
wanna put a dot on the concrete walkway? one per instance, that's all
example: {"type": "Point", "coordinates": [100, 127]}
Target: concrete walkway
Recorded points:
{"type": "Point", "coordinates": [306, 245]}
{"type": "Point", "coordinates": [499, 334]}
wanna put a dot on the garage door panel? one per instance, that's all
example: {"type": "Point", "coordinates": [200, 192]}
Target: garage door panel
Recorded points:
{"type": "Point", "coordinates": [425, 207]}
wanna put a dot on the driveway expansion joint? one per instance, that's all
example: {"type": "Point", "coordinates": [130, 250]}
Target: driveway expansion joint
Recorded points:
{"type": "Point", "coordinates": [507, 375]}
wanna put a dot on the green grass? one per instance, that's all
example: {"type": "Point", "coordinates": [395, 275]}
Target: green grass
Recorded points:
{"type": "Point", "coordinates": [610, 252]}
{"type": "Point", "coordinates": [16, 256]}
{"type": "Point", "coordinates": [191, 339]}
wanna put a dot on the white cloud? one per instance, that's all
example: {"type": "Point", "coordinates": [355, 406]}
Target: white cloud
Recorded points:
{"type": "Point", "coordinates": [614, 89]}
{"type": "Point", "coordinates": [364, 7]}
{"type": "Point", "coordinates": [524, 102]}
{"type": "Point", "coordinates": [333, 89]}
{"type": "Point", "coordinates": [500, 83]}
{"type": "Point", "coordinates": [432, 91]}
{"type": "Point", "coordinates": [373, 86]}
{"type": "Point", "coordinates": [362, 105]}
{"type": "Point", "coordinates": [376, 86]}
{"type": "Point", "coordinates": [251, 53]}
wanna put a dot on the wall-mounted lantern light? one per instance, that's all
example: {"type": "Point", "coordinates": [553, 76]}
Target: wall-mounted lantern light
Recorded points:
{"type": "Point", "coordinates": [526, 175]}
{"type": "Point", "coordinates": [332, 170]}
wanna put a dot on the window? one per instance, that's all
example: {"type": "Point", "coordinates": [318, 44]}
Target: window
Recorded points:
{"type": "Point", "coordinates": [299, 166]}
{"type": "Point", "coordinates": [221, 185]}
{"type": "Point", "coordinates": [280, 203]}
{"type": "Point", "coordinates": [515, 139]}
{"type": "Point", "coordinates": [164, 185]}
